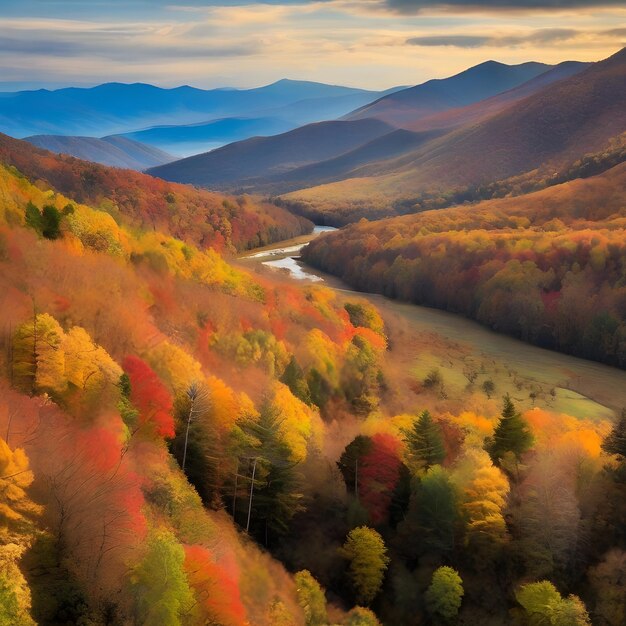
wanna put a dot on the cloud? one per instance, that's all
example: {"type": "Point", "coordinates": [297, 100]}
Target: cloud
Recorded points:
{"type": "Point", "coordinates": [409, 7]}
{"type": "Point", "coordinates": [541, 37]}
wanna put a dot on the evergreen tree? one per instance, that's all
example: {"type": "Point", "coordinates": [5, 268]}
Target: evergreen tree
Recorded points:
{"type": "Point", "coordinates": [50, 222]}
{"type": "Point", "coordinates": [350, 460]}
{"type": "Point", "coordinates": [512, 434]}
{"type": "Point", "coordinates": [424, 443]}
{"type": "Point", "coordinates": [274, 494]}
{"type": "Point", "coordinates": [33, 217]}
{"type": "Point", "coordinates": [293, 377]}
{"type": "Point", "coordinates": [615, 442]}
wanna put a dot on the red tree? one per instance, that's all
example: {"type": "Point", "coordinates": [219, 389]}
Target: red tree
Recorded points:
{"type": "Point", "coordinates": [216, 591]}
{"type": "Point", "coordinates": [378, 476]}
{"type": "Point", "coordinates": [149, 396]}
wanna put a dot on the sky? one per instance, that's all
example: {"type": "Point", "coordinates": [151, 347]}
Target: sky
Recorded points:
{"type": "Point", "coordinates": [372, 44]}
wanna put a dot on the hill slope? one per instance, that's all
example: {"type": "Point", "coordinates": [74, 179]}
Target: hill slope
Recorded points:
{"type": "Point", "coordinates": [552, 127]}
{"type": "Point", "coordinates": [113, 151]}
{"type": "Point", "coordinates": [263, 156]}
{"type": "Point", "coordinates": [545, 267]}
{"type": "Point", "coordinates": [201, 217]}
{"type": "Point", "coordinates": [474, 84]}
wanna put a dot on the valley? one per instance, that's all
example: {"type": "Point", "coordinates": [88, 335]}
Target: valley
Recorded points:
{"type": "Point", "coordinates": [450, 342]}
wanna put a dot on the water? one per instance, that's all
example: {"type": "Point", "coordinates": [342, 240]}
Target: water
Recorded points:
{"type": "Point", "coordinates": [287, 257]}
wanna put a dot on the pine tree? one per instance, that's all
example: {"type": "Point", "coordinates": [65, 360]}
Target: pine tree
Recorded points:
{"type": "Point", "coordinates": [512, 434]}
{"type": "Point", "coordinates": [615, 442]}
{"type": "Point", "coordinates": [424, 443]}
{"type": "Point", "coordinates": [274, 491]}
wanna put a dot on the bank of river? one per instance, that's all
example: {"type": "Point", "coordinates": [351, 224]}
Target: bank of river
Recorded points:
{"type": "Point", "coordinates": [582, 386]}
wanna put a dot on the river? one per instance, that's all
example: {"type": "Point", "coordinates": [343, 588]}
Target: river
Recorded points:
{"type": "Point", "coordinates": [584, 388]}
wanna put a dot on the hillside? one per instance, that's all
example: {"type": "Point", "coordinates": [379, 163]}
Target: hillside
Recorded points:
{"type": "Point", "coordinates": [550, 128]}
{"type": "Point", "coordinates": [396, 143]}
{"type": "Point", "coordinates": [232, 165]}
{"type": "Point", "coordinates": [434, 96]}
{"type": "Point", "coordinates": [546, 267]}
{"type": "Point", "coordinates": [483, 109]}
{"type": "Point", "coordinates": [179, 439]}
{"type": "Point", "coordinates": [201, 217]}
{"type": "Point", "coordinates": [125, 322]}
{"type": "Point", "coordinates": [113, 151]}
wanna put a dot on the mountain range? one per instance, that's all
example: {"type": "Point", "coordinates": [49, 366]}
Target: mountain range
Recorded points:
{"type": "Point", "coordinates": [183, 120]}
{"type": "Point", "coordinates": [415, 117]}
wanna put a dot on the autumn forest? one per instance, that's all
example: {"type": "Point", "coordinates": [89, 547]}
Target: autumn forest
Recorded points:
{"type": "Point", "coordinates": [358, 361]}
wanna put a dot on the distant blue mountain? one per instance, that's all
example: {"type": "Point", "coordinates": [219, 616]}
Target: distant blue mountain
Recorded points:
{"type": "Point", "coordinates": [116, 108]}
{"type": "Point", "coordinates": [115, 151]}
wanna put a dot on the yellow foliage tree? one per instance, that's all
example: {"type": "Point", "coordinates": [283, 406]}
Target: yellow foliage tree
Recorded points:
{"type": "Point", "coordinates": [88, 366]}
{"type": "Point", "coordinates": [484, 492]}
{"type": "Point", "coordinates": [175, 366]}
{"type": "Point", "coordinates": [38, 358]}
{"type": "Point", "coordinates": [296, 421]}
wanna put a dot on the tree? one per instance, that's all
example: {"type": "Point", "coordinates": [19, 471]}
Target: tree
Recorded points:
{"type": "Point", "coordinates": [311, 598]}
{"type": "Point", "coordinates": [424, 443]}
{"type": "Point", "coordinates": [294, 378]}
{"type": "Point", "coordinates": [379, 476]}
{"type": "Point", "coordinates": [350, 460]}
{"type": "Point", "coordinates": [431, 520]}
{"type": "Point", "coordinates": [512, 434]}
{"type": "Point", "coordinates": [216, 592]}
{"type": "Point", "coordinates": [274, 495]}
{"type": "Point", "coordinates": [365, 550]}
{"type": "Point", "coordinates": [360, 616]}
{"type": "Point", "coordinates": [615, 442]}
{"type": "Point", "coordinates": [608, 581]}
{"type": "Point", "coordinates": [489, 387]}
{"type": "Point", "coordinates": [33, 217]}
{"type": "Point", "coordinates": [38, 360]}
{"type": "Point", "coordinates": [445, 593]}
{"type": "Point", "coordinates": [50, 222]}
{"type": "Point", "coordinates": [543, 604]}
{"type": "Point", "coordinates": [150, 397]}
{"type": "Point", "coordinates": [16, 509]}
{"type": "Point", "coordinates": [484, 498]}
{"type": "Point", "coordinates": [159, 584]}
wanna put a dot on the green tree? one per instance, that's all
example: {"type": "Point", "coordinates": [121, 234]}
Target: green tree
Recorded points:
{"type": "Point", "coordinates": [512, 434]}
{"type": "Point", "coordinates": [159, 584]}
{"type": "Point", "coordinates": [274, 495]}
{"type": "Point", "coordinates": [543, 604]}
{"type": "Point", "coordinates": [33, 217]}
{"type": "Point", "coordinates": [366, 551]}
{"type": "Point", "coordinates": [360, 616]}
{"type": "Point", "coordinates": [50, 222]}
{"type": "Point", "coordinates": [294, 378]}
{"type": "Point", "coordinates": [445, 593]}
{"type": "Point", "coordinates": [430, 523]}
{"type": "Point", "coordinates": [311, 598]}
{"type": "Point", "coordinates": [615, 442]}
{"type": "Point", "coordinates": [424, 443]}
{"type": "Point", "coordinates": [350, 460]}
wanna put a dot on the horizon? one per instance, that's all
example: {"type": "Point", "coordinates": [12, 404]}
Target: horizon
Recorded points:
{"type": "Point", "coordinates": [242, 44]}
{"type": "Point", "coordinates": [4, 89]}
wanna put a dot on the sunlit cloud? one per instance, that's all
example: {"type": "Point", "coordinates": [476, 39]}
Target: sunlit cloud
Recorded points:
{"type": "Point", "coordinates": [243, 43]}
